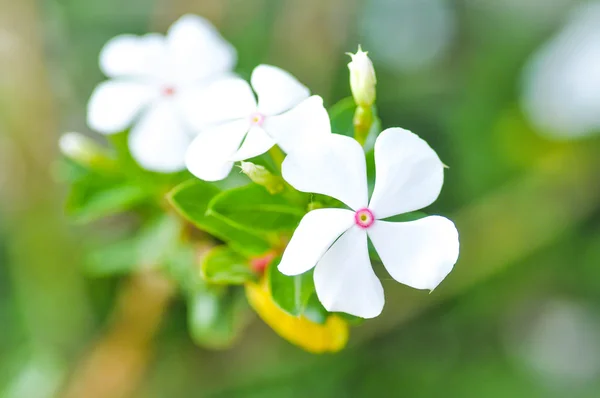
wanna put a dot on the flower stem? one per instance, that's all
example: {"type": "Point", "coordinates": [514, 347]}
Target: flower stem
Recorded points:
{"type": "Point", "coordinates": [277, 155]}
{"type": "Point", "coordinates": [363, 119]}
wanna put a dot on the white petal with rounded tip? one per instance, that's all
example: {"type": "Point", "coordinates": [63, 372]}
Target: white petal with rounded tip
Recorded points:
{"type": "Point", "coordinates": [197, 51]}
{"type": "Point", "coordinates": [256, 143]}
{"type": "Point", "coordinates": [114, 104]}
{"type": "Point", "coordinates": [409, 174]}
{"type": "Point", "coordinates": [344, 277]}
{"type": "Point", "coordinates": [417, 253]}
{"type": "Point", "coordinates": [333, 166]}
{"type": "Point", "coordinates": [209, 155]}
{"type": "Point", "coordinates": [135, 56]}
{"type": "Point", "coordinates": [315, 234]}
{"type": "Point", "coordinates": [224, 100]}
{"type": "Point", "coordinates": [277, 90]}
{"type": "Point", "coordinates": [300, 126]}
{"type": "Point", "coordinates": [158, 142]}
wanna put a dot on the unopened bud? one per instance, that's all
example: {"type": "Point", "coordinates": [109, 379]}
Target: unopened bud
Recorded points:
{"type": "Point", "coordinates": [362, 78]}
{"type": "Point", "coordinates": [83, 150]}
{"type": "Point", "coordinates": [261, 176]}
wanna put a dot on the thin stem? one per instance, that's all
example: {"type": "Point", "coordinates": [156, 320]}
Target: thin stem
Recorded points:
{"type": "Point", "coordinates": [363, 119]}
{"type": "Point", "coordinates": [277, 155]}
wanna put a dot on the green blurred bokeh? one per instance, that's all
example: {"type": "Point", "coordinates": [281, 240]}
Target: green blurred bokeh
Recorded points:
{"type": "Point", "coordinates": [518, 317]}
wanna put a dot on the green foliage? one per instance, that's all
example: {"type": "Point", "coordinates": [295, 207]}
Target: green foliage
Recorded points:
{"type": "Point", "coordinates": [290, 293]}
{"type": "Point", "coordinates": [191, 198]}
{"type": "Point", "coordinates": [314, 310]}
{"type": "Point", "coordinates": [221, 265]}
{"type": "Point", "coordinates": [341, 115]}
{"type": "Point", "coordinates": [97, 193]}
{"type": "Point", "coordinates": [215, 317]}
{"type": "Point", "coordinates": [253, 208]}
{"type": "Point", "coordinates": [150, 247]}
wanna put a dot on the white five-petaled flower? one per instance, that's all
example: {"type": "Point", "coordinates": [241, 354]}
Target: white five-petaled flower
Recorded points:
{"type": "Point", "coordinates": [235, 126]}
{"type": "Point", "coordinates": [151, 78]}
{"type": "Point", "coordinates": [417, 253]}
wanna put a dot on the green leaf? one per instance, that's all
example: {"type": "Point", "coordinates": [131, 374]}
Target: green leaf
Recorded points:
{"type": "Point", "coordinates": [215, 320]}
{"type": "Point", "coordinates": [150, 247]}
{"type": "Point", "coordinates": [94, 196]}
{"type": "Point", "coordinates": [222, 265]}
{"type": "Point", "coordinates": [290, 293]}
{"type": "Point", "coordinates": [116, 258]}
{"type": "Point", "coordinates": [190, 199]}
{"type": "Point", "coordinates": [315, 311]}
{"type": "Point", "coordinates": [253, 208]}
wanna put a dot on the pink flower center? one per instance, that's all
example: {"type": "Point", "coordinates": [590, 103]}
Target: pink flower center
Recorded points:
{"type": "Point", "coordinates": [364, 218]}
{"type": "Point", "coordinates": [257, 119]}
{"type": "Point", "coordinates": [168, 91]}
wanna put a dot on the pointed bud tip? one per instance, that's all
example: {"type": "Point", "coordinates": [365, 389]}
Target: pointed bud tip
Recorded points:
{"type": "Point", "coordinates": [362, 78]}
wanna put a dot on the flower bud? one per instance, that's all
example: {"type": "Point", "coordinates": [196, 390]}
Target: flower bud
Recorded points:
{"type": "Point", "coordinates": [86, 152]}
{"type": "Point", "coordinates": [362, 78]}
{"type": "Point", "coordinates": [261, 176]}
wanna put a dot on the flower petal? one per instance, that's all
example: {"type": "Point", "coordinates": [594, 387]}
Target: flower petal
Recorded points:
{"type": "Point", "coordinates": [159, 140]}
{"type": "Point", "coordinates": [222, 101]}
{"type": "Point", "coordinates": [299, 126]}
{"type": "Point", "coordinates": [256, 143]}
{"type": "Point", "coordinates": [315, 234]}
{"type": "Point", "coordinates": [344, 277]}
{"type": "Point", "coordinates": [417, 253]}
{"type": "Point", "coordinates": [114, 104]}
{"type": "Point", "coordinates": [197, 50]}
{"type": "Point", "coordinates": [277, 90]}
{"type": "Point", "coordinates": [209, 155]}
{"type": "Point", "coordinates": [334, 165]}
{"type": "Point", "coordinates": [135, 56]}
{"type": "Point", "coordinates": [409, 174]}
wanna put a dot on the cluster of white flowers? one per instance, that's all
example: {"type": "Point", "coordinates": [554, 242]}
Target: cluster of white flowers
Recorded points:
{"type": "Point", "coordinates": [185, 108]}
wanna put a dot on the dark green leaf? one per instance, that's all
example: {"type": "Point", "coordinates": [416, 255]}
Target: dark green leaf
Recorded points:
{"type": "Point", "coordinates": [253, 208]}
{"type": "Point", "coordinates": [191, 199]}
{"type": "Point", "coordinates": [222, 265]}
{"type": "Point", "coordinates": [290, 293]}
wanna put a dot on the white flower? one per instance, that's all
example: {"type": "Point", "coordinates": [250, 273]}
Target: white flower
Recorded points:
{"type": "Point", "coordinates": [417, 253]}
{"type": "Point", "coordinates": [235, 126]}
{"type": "Point", "coordinates": [153, 77]}
{"type": "Point", "coordinates": [561, 92]}
{"type": "Point", "coordinates": [362, 78]}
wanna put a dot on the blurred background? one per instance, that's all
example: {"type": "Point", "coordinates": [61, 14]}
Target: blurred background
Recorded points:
{"type": "Point", "coordinates": [506, 91]}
